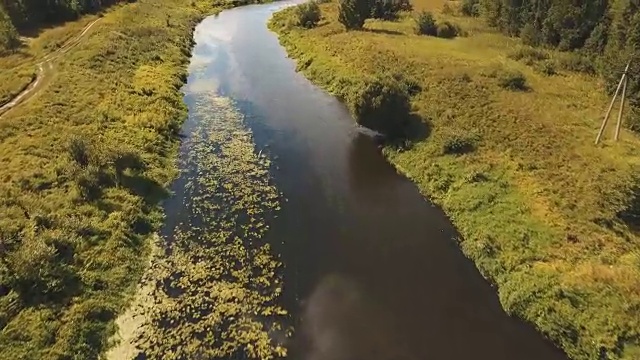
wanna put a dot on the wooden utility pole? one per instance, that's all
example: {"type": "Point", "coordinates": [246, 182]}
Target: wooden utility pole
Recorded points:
{"type": "Point", "coordinates": [622, 84]}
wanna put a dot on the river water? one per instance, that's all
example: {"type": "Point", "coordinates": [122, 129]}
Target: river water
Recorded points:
{"type": "Point", "coordinates": [371, 269]}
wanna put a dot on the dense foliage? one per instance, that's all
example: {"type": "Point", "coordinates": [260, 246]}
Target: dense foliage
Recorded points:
{"type": "Point", "coordinates": [605, 32]}
{"type": "Point", "coordinates": [389, 9]}
{"type": "Point", "coordinates": [425, 24]}
{"type": "Point", "coordinates": [353, 13]}
{"type": "Point", "coordinates": [381, 103]}
{"type": "Point", "coordinates": [308, 14]}
{"type": "Point", "coordinates": [8, 33]}
{"type": "Point", "coordinates": [25, 13]}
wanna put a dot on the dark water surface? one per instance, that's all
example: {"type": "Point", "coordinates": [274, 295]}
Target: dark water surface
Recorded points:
{"type": "Point", "coordinates": [372, 269]}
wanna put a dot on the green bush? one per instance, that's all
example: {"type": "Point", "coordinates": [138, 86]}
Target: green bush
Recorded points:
{"type": "Point", "coordinates": [530, 35]}
{"type": "Point", "coordinates": [307, 14]}
{"type": "Point", "coordinates": [353, 13]}
{"type": "Point", "coordinates": [470, 8]}
{"type": "Point", "coordinates": [404, 5]}
{"type": "Point", "coordinates": [512, 80]}
{"type": "Point", "coordinates": [458, 145]}
{"type": "Point", "coordinates": [425, 24]}
{"type": "Point", "coordinates": [8, 34]}
{"type": "Point", "coordinates": [529, 55]}
{"type": "Point", "coordinates": [577, 63]}
{"type": "Point", "coordinates": [547, 68]}
{"type": "Point", "coordinates": [381, 104]}
{"type": "Point", "coordinates": [79, 151]}
{"type": "Point", "coordinates": [389, 9]}
{"type": "Point", "coordinates": [446, 30]}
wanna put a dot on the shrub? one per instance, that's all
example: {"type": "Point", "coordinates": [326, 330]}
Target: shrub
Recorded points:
{"type": "Point", "coordinates": [470, 8]}
{"type": "Point", "coordinates": [425, 24]}
{"type": "Point", "coordinates": [530, 35]}
{"type": "Point", "coordinates": [546, 68]}
{"type": "Point", "coordinates": [576, 62]}
{"type": "Point", "coordinates": [78, 150]}
{"type": "Point", "coordinates": [388, 9]}
{"type": "Point", "coordinates": [307, 14]}
{"type": "Point", "coordinates": [512, 80]}
{"type": "Point", "coordinates": [92, 181]}
{"type": "Point", "coordinates": [459, 144]}
{"type": "Point", "coordinates": [353, 13]}
{"type": "Point", "coordinates": [382, 104]}
{"type": "Point", "coordinates": [528, 55]}
{"type": "Point", "coordinates": [404, 5]}
{"type": "Point", "coordinates": [446, 30]}
{"type": "Point", "coordinates": [8, 34]}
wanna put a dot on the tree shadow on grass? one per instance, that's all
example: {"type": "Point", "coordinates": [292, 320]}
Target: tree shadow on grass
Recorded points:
{"type": "Point", "coordinates": [630, 216]}
{"type": "Point", "coordinates": [150, 190]}
{"type": "Point", "coordinates": [415, 130]}
{"type": "Point", "coordinates": [384, 31]}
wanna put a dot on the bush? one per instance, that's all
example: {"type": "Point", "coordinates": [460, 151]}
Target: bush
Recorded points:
{"type": "Point", "coordinates": [470, 8]}
{"type": "Point", "coordinates": [459, 144]}
{"type": "Point", "coordinates": [529, 55]}
{"type": "Point", "coordinates": [530, 35]}
{"type": "Point", "coordinates": [546, 68]}
{"type": "Point", "coordinates": [307, 14]}
{"type": "Point", "coordinates": [79, 151]}
{"type": "Point", "coordinates": [389, 9]}
{"type": "Point", "coordinates": [8, 34]}
{"type": "Point", "coordinates": [404, 5]}
{"type": "Point", "coordinates": [513, 80]}
{"type": "Point", "coordinates": [353, 13]}
{"type": "Point", "coordinates": [425, 24]}
{"type": "Point", "coordinates": [576, 62]}
{"type": "Point", "coordinates": [446, 30]}
{"type": "Point", "coordinates": [382, 104]}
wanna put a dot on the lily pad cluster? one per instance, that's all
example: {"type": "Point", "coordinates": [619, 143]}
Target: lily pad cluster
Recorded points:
{"type": "Point", "coordinates": [216, 286]}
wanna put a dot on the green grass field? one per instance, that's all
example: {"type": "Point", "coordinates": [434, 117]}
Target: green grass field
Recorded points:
{"type": "Point", "coordinates": [84, 164]}
{"type": "Point", "coordinates": [543, 212]}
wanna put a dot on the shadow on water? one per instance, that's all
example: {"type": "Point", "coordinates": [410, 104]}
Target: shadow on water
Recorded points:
{"type": "Point", "coordinates": [372, 270]}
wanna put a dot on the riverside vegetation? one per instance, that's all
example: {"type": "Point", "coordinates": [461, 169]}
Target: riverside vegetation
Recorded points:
{"type": "Point", "coordinates": [216, 288]}
{"type": "Point", "coordinates": [84, 165]}
{"type": "Point", "coordinates": [500, 134]}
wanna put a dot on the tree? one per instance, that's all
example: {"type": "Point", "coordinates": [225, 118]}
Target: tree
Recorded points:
{"type": "Point", "coordinates": [8, 34]}
{"type": "Point", "coordinates": [353, 13]}
{"type": "Point", "coordinates": [308, 14]}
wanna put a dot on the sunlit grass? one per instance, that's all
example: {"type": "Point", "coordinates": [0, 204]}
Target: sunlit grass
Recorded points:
{"type": "Point", "coordinates": [536, 202]}
{"type": "Point", "coordinates": [71, 257]}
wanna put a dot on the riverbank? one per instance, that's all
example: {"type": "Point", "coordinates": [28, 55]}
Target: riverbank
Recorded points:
{"type": "Point", "coordinates": [85, 164]}
{"type": "Point", "coordinates": [544, 214]}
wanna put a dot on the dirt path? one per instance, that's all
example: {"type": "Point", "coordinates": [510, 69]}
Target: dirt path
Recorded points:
{"type": "Point", "coordinates": [45, 68]}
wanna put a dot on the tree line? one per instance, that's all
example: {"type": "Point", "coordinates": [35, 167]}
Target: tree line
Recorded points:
{"type": "Point", "coordinates": [606, 33]}
{"type": "Point", "coordinates": [21, 14]}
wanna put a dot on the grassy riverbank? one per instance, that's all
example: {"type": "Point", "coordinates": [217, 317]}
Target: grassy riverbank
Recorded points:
{"type": "Point", "coordinates": [545, 214]}
{"type": "Point", "coordinates": [84, 165]}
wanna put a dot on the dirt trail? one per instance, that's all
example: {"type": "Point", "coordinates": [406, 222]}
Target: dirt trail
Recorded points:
{"type": "Point", "coordinates": [45, 68]}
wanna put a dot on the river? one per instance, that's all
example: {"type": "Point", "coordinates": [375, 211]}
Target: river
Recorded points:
{"type": "Point", "coordinates": [371, 269]}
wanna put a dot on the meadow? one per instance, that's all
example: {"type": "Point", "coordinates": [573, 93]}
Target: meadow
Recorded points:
{"type": "Point", "coordinates": [85, 164]}
{"type": "Point", "coordinates": [546, 215]}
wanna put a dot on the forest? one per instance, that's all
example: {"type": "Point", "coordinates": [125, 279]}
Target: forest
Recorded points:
{"type": "Point", "coordinates": [16, 15]}
{"type": "Point", "coordinates": [606, 33]}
